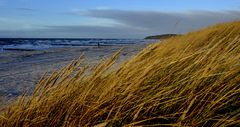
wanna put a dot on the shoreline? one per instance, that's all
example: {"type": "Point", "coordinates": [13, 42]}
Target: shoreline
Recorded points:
{"type": "Point", "coordinates": [21, 70]}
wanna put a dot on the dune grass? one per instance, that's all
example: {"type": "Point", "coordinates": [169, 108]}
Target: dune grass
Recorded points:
{"type": "Point", "coordinates": [190, 80]}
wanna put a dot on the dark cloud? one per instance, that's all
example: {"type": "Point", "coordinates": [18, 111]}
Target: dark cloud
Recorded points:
{"type": "Point", "coordinates": [164, 22]}
{"type": "Point", "coordinates": [129, 24]}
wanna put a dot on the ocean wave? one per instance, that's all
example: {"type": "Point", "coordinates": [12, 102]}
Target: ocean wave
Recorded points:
{"type": "Point", "coordinates": [41, 44]}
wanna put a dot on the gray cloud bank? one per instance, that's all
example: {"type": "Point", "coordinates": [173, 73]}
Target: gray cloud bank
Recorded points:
{"type": "Point", "coordinates": [163, 22]}
{"type": "Point", "coordinates": [133, 24]}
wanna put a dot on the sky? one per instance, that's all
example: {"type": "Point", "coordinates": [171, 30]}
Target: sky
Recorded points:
{"type": "Point", "coordinates": [110, 18]}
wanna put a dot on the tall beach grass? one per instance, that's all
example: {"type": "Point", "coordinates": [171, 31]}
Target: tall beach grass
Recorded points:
{"type": "Point", "coordinates": [190, 80]}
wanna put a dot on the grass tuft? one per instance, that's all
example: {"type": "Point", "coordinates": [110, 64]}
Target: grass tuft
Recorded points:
{"type": "Point", "coordinates": [189, 80]}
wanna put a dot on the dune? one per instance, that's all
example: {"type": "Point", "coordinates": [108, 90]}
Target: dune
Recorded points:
{"type": "Point", "coordinates": [162, 36]}
{"type": "Point", "coordinates": [189, 80]}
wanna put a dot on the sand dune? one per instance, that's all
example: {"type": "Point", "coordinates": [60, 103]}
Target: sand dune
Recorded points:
{"type": "Point", "coordinates": [190, 80]}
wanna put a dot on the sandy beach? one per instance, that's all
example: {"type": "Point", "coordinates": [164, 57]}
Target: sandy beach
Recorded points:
{"type": "Point", "coordinates": [21, 70]}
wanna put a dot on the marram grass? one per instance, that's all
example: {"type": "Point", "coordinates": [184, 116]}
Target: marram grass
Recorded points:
{"type": "Point", "coordinates": [191, 80]}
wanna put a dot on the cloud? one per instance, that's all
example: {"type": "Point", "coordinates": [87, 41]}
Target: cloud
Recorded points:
{"type": "Point", "coordinates": [14, 24]}
{"type": "Point", "coordinates": [26, 9]}
{"type": "Point", "coordinates": [96, 31]}
{"type": "Point", "coordinates": [123, 24]}
{"type": "Point", "coordinates": [75, 32]}
{"type": "Point", "coordinates": [163, 22]}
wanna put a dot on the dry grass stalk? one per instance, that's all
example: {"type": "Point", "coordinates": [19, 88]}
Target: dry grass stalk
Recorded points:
{"type": "Point", "coordinates": [192, 80]}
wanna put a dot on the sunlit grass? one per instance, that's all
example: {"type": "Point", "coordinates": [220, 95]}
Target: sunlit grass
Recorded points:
{"type": "Point", "coordinates": [190, 80]}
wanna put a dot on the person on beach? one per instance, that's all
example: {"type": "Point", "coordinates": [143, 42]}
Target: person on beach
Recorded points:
{"type": "Point", "coordinates": [98, 44]}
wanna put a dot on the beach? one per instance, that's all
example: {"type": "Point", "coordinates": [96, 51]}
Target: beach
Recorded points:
{"type": "Point", "coordinates": [20, 71]}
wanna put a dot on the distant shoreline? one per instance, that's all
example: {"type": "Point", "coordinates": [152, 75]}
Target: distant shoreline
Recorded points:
{"type": "Point", "coordinates": [162, 36]}
{"type": "Point", "coordinates": [33, 44]}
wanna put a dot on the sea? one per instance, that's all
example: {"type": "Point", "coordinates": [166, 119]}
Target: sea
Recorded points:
{"type": "Point", "coordinates": [31, 44]}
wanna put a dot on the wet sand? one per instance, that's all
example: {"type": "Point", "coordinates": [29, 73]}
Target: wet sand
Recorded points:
{"type": "Point", "coordinates": [21, 70]}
